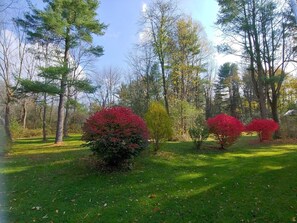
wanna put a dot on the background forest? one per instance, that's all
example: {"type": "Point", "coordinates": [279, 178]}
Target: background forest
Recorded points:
{"type": "Point", "coordinates": [49, 84]}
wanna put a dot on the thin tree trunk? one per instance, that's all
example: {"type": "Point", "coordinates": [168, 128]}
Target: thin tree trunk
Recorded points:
{"type": "Point", "coordinates": [250, 109]}
{"type": "Point", "coordinates": [51, 112]}
{"type": "Point", "coordinates": [7, 123]}
{"type": "Point", "coordinates": [164, 88]}
{"type": "Point", "coordinates": [66, 119]}
{"type": "Point", "coordinates": [44, 138]}
{"type": "Point", "coordinates": [262, 100]}
{"type": "Point", "coordinates": [24, 113]}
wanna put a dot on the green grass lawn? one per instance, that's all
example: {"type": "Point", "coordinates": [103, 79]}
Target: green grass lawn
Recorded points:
{"type": "Point", "coordinates": [247, 183]}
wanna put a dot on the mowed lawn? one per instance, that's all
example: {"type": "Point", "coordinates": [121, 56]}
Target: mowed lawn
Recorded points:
{"type": "Point", "coordinates": [249, 182]}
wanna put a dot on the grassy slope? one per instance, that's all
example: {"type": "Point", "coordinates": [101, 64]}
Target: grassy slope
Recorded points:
{"type": "Point", "coordinates": [248, 183]}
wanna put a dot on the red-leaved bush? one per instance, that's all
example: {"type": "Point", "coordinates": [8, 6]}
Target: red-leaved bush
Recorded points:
{"type": "Point", "coordinates": [225, 128]}
{"type": "Point", "coordinates": [264, 127]}
{"type": "Point", "coordinates": [115, 134]}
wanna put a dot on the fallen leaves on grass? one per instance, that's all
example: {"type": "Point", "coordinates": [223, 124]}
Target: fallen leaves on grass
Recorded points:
{"type": "Point", "coordinates": [37, 208]}
{"type": "Point", "coordinates": [152, 196]}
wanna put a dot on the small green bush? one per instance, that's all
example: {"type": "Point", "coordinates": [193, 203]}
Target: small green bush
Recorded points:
{"type": "Point", "coordinates": [158, 123]}
{"type": "Point", "coordinates": [27, 133]}
{"type": "Point", "coordinates": [199, 131]}
{"type": "Point", "coordinates": [16, 129]}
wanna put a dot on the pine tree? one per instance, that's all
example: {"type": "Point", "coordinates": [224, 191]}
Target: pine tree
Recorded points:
{"type": "Point", "coordinates": [68, 22]}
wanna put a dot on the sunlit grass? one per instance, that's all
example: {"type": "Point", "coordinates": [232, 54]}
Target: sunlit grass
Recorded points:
{"type": "Point", "coordinates": [247, 183]}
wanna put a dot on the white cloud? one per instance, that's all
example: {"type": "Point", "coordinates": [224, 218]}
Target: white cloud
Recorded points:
{"type": "Point", "coordinates": [144, 7]}
{"type": "Point", "coordinates": [144, 36]}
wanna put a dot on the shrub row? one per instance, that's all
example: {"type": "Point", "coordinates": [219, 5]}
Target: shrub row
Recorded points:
{"type": "Point", "coordinates": [117, 135]}
{"type": "Point", "coordinates": [227, 129]}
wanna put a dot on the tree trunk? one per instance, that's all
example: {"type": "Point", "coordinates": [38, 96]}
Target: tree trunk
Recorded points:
{"type": "Point", "coordinates": [262, 98]}
{"type": "Point", "coordinates": [7, 123]}
{"type": "Point", "coordinates": [255, 58]}
{"type": "Point", "coordinates": [51, 112]}
{"type": "Point", "coordinates": [275, 116]}
{"type": "Point", "coordinates": [24, 113]}
{"type": "Point", "coordinates": [60, 121]}
{"type": "Point", "coordinates": [164, 88]}
{"type": "Point", "coordinates": [63, 87]}
{"type": "Point", "coordinates": [44, 139]}
{"type": "Point", "coordinates": [258, 60]}
{"type": "Point", "coordinates": [66, 119]}
{"type": "Point", "coordinates": [250, 109]}
{"type": "Point", "coordinates": [274, 110]}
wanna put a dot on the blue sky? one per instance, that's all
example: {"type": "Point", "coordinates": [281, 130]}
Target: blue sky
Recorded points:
{"type": "Point", "coordinates": [122, 16]}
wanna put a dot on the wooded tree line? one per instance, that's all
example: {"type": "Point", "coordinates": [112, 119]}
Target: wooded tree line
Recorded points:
{"type": "Point", "coordinates": [178, 59]}
{"type": "Point", "coordinates": [47, 56]}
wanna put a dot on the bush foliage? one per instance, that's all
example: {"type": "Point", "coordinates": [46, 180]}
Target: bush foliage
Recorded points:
{"type": "Point", "coordinates": [264, 128]}
{"type": "Point", "coordinates": [158, 123]}
{"type": "Point", "coordinates": [199, 131]}
{"type": "Point", "coordinates": [225, 128]}
{"type": "Point", "coordinates": [116, 134]}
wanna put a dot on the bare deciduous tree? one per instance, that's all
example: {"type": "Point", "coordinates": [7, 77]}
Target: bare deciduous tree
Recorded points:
{"type": "Point", "coordinates": [12, 53]}
{"type": "Point", "coordinates": [159, 20]}
{"type": "Point", "coordinates": [108, 82]}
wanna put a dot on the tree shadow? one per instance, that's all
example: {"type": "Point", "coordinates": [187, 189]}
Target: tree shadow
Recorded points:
{"type": "Point", "coordinates": [240, 185]}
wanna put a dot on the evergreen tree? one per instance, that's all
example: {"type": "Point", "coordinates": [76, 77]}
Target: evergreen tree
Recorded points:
{"type": "Point", "coordinates": [227, 97]}
{"type": "Point", "coordinates": [68, 22]}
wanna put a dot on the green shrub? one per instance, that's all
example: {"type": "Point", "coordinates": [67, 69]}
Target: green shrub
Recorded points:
{"type": "Point", "coordinates": [199, 131]}
{"type": "Point", "coordinates": [158, 123]}
{"type": "Point", "coordinates": [27, 133]}
{"type": "Point", "coordinates": [183, 115]}
{"type": "Point", "coordinates": [16, 129]}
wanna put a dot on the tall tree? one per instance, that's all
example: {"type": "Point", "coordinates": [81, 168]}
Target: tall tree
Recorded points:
{"type": "Point", "coordinates": [141, 89]}
{"type": "Point", "coordinates": [159, 21]}
{"type": "Point", "coordinates": [12, 53]}
{"type": "Point", "coordinates": [186, 64]}
{"type": "Point", "coordinates": [143, 66]}
{"type": "Point", "coordinates": [186, 61]}
{"type": "Point", "coordinates": [108, 85]}
{"type": "Point", "coordinates": [208, 87]}
{"type": "Point", "coordinates": [249, 97]}
{"type": "Point", "coordinates": [46, 85]}
{"type": "Point", "coordinates": [227, 88]}
{"type": "Point", "coordinates": [82, 59]}
{"type": "Point", "coordinates": [261, 28]}
{"type": "Point", "coordinates": [70, 22]}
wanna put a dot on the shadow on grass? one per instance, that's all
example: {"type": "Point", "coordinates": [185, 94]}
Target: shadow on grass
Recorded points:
{"type": "Point", "coordinates": [177, 185]}
{"type": "Point", "coordinates": [38, 140]}
{"type": "Point", "coordinates": [3, 150]}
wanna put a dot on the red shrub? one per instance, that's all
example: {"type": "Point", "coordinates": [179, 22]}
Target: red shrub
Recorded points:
{"type": "Point", "coordinates": [115, 134]}
{"type": "Point", "coordinates": [264, 127]}
{"type": "Point", "coordinates": [225, 128]}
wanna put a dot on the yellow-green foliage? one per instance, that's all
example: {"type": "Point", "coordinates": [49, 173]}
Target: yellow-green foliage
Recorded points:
{"type": "Point", "coordinates": [158, 123]}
